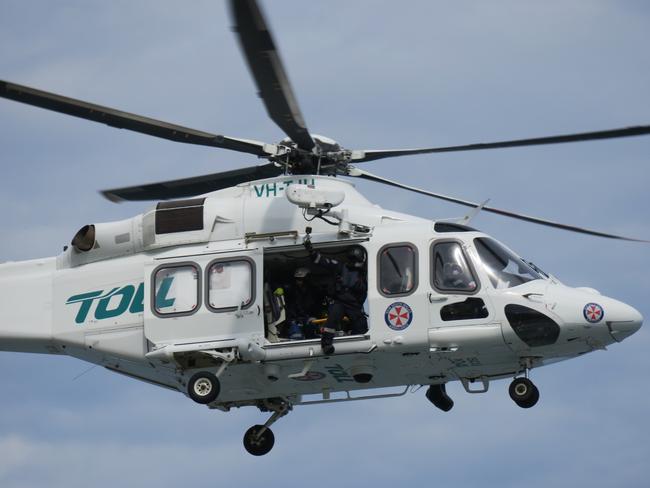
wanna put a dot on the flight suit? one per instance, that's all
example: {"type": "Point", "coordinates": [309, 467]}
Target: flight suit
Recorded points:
{"type": "Point", "coordinates": [303, 303]}
{"type": "Point", "coordinates": [345, 297]}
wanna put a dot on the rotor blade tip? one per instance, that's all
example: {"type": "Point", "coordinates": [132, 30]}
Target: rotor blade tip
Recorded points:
{"type": "Point", "coordinates": [109, 195]}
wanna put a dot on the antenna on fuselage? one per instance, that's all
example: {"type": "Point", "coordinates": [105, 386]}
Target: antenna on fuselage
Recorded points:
{"type": "Point", "coordinates": [473, 213]}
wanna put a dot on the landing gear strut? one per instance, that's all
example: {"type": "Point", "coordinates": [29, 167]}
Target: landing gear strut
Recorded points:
{"type": "Point", "coordinates": [259, 439]}
{"type": "Point", "coordinates": [523, 392]}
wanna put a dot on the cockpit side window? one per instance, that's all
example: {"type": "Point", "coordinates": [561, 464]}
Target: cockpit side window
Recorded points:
{"type": "Point", "coordinates": [397, 269]}
{"type": "Point", "coordinates": [504, 267]}
{"type": "Point", "coordinates": [451, 272]}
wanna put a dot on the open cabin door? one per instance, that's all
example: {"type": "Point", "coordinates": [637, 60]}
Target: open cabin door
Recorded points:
{"type": "Point", "coordinates": [298, 288]}
{"type": "Point", "coordinates": [194, 299]}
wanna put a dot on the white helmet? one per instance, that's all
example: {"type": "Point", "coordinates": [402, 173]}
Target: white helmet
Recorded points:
{"type": "Point", "coordinates": [301, 272]}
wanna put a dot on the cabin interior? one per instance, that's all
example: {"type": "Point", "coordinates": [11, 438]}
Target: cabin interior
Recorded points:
{"type": "Point", "coordinates": [280, 282]}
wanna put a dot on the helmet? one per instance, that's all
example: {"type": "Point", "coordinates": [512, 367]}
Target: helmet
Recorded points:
{"type": "Point", "coordinates": [357, 255]}
{"type": "Point", "coordinates": [301, 272]}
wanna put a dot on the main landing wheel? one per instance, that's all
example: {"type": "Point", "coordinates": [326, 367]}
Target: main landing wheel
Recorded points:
{"type": "Point", "coordinates": [523, 392]}
{"type": "Point", "coordinates": [203, 387]}
{"type": "Point", "coordinates": [258, 444]}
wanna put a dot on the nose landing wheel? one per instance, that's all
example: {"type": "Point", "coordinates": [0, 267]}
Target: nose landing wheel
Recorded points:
{"type": "Point", "coordinates": [523, 392]}
{"type": "Point", "coordinates": [259, 440]}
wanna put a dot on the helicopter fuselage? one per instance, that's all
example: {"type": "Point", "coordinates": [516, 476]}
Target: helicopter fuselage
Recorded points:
{"type": "Point", "coordinates": [193, 286]}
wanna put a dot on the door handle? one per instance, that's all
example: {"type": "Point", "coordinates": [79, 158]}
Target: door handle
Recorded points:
{"type": "Point", "coordinates": [436, 298]}
{"type": "Point", "coordinates": [239, 313]}
{"type": "Point", "coordinates": [242, 313]}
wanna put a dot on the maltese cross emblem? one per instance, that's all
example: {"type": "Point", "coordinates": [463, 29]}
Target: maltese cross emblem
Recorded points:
{"type": "Point", "coordinates": [398, 316]}
{"type": "Point", "coordinates": [593, 313]}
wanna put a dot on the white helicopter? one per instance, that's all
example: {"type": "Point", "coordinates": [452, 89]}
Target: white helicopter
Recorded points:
{"type": "Point", "coordinates": [187, 295]}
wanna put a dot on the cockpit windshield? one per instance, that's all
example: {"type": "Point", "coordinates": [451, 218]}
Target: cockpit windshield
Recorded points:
{"type": "Point", "coordinates": [504, 268]}
{"type": "Point", "coordinates": [538, 269]}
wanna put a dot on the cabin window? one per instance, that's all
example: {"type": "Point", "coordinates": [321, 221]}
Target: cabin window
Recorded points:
{"type": "Point", "coordinates": [230, 284]}
{"type": "Point", "coordinates": [176, 290]}
{"type": "Point", "coordinates": [451, 272]}
{"type": "Point", "coordinates": [397, 269]}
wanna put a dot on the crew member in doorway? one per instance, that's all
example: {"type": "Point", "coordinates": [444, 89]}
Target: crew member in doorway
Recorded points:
{"type": "Point", "coordinates": [346, 293]}
{"type": "Point", "coordinates": [303, 304]}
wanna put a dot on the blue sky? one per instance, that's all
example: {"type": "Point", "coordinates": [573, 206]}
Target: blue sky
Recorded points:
{"type": "Point", "coordinates": [370, 74]}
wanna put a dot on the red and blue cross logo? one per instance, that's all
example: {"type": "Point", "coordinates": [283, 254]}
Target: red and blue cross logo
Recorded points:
{"type": "Point", "coordinates": [398, 316]}
{"type": "Point", "coordinates": [593, 313]}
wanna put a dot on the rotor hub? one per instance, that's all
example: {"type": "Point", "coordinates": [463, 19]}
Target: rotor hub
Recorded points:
{"type": "Point", "coordinates": [327, 157]}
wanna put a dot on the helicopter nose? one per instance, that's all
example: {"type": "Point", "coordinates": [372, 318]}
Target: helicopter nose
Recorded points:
{"type": "Point", "coordinates": [623, 321]}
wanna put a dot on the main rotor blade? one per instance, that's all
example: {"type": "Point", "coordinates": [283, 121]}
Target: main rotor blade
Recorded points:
{"type": "Point", "coordinates": [371, 155]}
{"type": "Point", "coordinates": [266, 67]}
{"type": "Point", "coordinates": [368, 176]}
{"type": "Point", "coordinates": [125, 120]}
{"type": "Point", "coordinates": [188, 187]}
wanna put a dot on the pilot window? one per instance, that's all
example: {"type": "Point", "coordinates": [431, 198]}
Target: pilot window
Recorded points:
{"type": "Point", "coordinates": [397, 265]}
{"type": "Point", "coordinates": [176, 290]}
{"type": "Point", "coordinates": [451, 272]}
{"type": "Point", "coordinates": [504, 267]}
{"type": "Point", "coordinates": [230, 285]}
